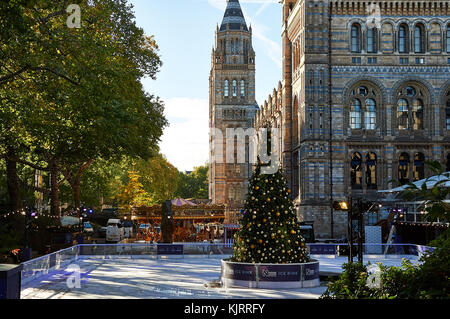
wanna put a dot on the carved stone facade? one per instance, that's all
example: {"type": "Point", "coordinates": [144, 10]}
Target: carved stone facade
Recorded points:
{"type": "Point", "coordinates": [232, 106]}
{"type": "Point", "coordinates": [361, 102]}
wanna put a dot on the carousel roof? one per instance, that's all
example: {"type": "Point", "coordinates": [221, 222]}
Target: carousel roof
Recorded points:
{"type": "Point", "coordinates": [182, 202]}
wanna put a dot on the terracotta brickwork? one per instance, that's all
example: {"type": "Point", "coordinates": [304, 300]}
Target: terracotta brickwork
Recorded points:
{"type": "Point", "coordinates": [364, 99]}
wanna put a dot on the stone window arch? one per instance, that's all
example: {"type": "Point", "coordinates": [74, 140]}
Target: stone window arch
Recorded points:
{"type": "Point", "coordinates": [295, 122]}
{"type": "Point", "coordinates": [226, 90]}
{"type": "Point", "coordinates": [355, 114]}
{"type": "Point", "coordinates": [411, 101]}
{"type": "Point", "coordinates": [419, 167]}
{"type": "Point", "coordinates": [403, 38]}
{"type": "Point", "coordinates": [234, 88]}
{"type": "Point", "coordinates": [242, 88]}
{"type": "Point", "coordinates": [419, 38]}
{"type": "Point", "coordinates": [365, 103]}
{"type": "Point", "coordinates": [447, 163]}
{"type": "Point", "coordinates": [355, 38]}
{"type": "Point", "coordinates": [356, 171]}
{"type": "Point", "coordinates": [447, 109]}
{"type": "Point", "coordinates": [372, 35]}
{"type": "Point", "coordinates": [403, 168]}
{"type": "Point", "coordinates": [371, 170]}
{"type": "Point", "coordinates": [447, 37]}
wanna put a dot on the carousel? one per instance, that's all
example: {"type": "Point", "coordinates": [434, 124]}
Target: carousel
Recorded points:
{"type": "Point", "coordinates": [194, 221]}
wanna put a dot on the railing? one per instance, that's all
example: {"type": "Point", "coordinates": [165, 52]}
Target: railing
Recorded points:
{"type": "Point", "coordinates": [45, 265]}
{"type": "Point", "coordinates": [377, 250]}
{"type": "Point", "coordinates": [41, 266]}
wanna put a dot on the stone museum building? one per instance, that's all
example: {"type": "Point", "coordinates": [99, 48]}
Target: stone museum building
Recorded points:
{"type": "Point", "coordinates": [364, 99]}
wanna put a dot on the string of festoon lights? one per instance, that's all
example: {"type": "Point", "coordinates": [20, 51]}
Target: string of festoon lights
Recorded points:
{"type": "Point", "coordinates": [23, 213]}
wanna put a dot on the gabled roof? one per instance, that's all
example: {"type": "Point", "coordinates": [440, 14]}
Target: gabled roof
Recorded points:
{"type": "Point", "coordinates": [233, 17]}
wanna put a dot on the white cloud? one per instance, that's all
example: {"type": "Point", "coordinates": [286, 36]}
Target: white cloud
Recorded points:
{"type": "Point", "coordinates": [185, 141]}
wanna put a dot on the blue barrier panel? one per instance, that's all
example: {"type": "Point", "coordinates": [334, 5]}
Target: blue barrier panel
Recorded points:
{"type": "Point", "coordinates": [239, 271]}
{"type": "Point", "coordinates": [279, 273]}
{"type": "Point", "coordinates": [52, 261]}
{"type": "Point", "coordinates": [10, 281]}
{"type": "Point", "coordinates": [169, 249]}
{"type": "Point", "coordinates": [322, 249]}
{"type": "Point", "coordinates": [311, 271]}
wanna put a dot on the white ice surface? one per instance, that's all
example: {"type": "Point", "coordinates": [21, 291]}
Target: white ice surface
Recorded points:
{"type": "Point", "coordinates": [168, 278]}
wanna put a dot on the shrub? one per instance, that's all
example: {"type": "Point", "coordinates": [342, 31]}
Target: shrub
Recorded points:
{"type": "Point", "coordinates": [351, 284]}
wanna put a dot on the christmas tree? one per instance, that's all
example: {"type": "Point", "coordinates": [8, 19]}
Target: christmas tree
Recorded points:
{"type": "Point", "coordinates": [270, 231]}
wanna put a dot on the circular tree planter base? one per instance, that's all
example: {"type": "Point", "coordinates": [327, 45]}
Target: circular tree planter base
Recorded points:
{"type": "Point", "coordinates": [270, 276]}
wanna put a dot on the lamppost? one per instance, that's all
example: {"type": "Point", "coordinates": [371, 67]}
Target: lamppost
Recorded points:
{"type": "Point", "coordinates": [347, 206]}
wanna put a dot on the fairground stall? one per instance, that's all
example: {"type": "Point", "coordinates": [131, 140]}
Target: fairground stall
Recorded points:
{"type": "Point", "coordinates": [193, 222]}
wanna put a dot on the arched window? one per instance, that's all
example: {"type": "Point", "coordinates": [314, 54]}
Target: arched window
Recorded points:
{"type": "Point", "coordinates": [226, 90]}
{"type": "Point", "coordinates": [236, 48]}
{"type": "Point", "coordinates": [371, 170]}
{"type": "Point", "coordinates": [403, 39]}
{"type": "Point", "coordinates": [419, 167]}
{"type": "Point", "coordinates": [447, 166]}
{"type": "Point", "coordinates": [403, 169]}
{"type": "Point", "coordinates": [295, 123]}
{"type": "Point", "coordinates": [410, 108]}
{"type": "Point", "coordinates": [419, 42]}
{"type": "Point", "coordinates": [356, 38]}
{"type": "Point", "coordinates": [370, 115]}
{"type": "Point", "coordinates": [242, 88]}
{"type": "Point", "coordinates": [417, 114]}
{"type": "Point", "coordinates": [402, 114]}
{"type": "Point", "coordinates": [232, 46]}
{"type": "Point", "coordinates": [234, 88]}
{"type": "Point", "coordinates": [363, 100]}
{"type": "Point", "coordinates": [447, 111]}
{"type": "Point", "coordinates": [448, 38]}
{"type": "Point", "coordinates": [356, 171]}
{"type": "Point", "coordinates": [355, 115]}
{"type": "Point", "coordinates": [372, 40]}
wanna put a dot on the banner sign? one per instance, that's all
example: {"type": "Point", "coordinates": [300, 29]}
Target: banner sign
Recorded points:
{"type": "Point", "coordinates": [239, 272]}
{"type": "Point", "coordinates": [311, 271]}
{"type": "Point", "coordinates": [279, 272]}
{"type": "Point", "coordinates": [169, 249]}
{"type": "Point", "coordinates": [319, 249]}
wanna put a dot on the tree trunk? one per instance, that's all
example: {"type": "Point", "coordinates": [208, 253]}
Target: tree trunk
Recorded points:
{"type": "Point", "coordinates": [54, 192]}
{"type": "Point", "coordinates": [77, 193]}
{"type": "Point", "coordinates": [12, 180]}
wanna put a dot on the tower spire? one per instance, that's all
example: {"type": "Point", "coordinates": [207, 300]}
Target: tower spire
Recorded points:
{"type": "Point", "coordinates": [233, 18]}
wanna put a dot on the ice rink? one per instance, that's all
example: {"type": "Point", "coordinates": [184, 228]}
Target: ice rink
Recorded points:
{"type": "Point", "coordinates": [127, 278]}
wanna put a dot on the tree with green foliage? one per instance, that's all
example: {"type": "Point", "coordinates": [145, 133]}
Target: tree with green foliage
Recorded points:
{"type": "Point", "coordinates": [159, 178]}
{"type": "Point", "coordinates": [70, 96]}
{"type": "Point", "coordinates": [270, 231]}
{"type": "Point", "coordinates": [193, 184]}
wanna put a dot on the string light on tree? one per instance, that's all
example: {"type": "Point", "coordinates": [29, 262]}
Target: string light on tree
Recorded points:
{"type": "Point", "coordinates": [277, 241]}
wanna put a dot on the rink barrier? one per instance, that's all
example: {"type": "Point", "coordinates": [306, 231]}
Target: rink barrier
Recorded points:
{"type": "Point", "coordinates": [61, 259]}
{"type": "Point", "coordinates": [270, 276]}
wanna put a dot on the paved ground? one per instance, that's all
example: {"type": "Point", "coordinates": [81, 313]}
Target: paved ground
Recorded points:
{"type": "Point", "coordinates": [154, 278]}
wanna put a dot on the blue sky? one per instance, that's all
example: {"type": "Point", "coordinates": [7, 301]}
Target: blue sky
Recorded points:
{"type": "Point", "coordinates": [184, 31]}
